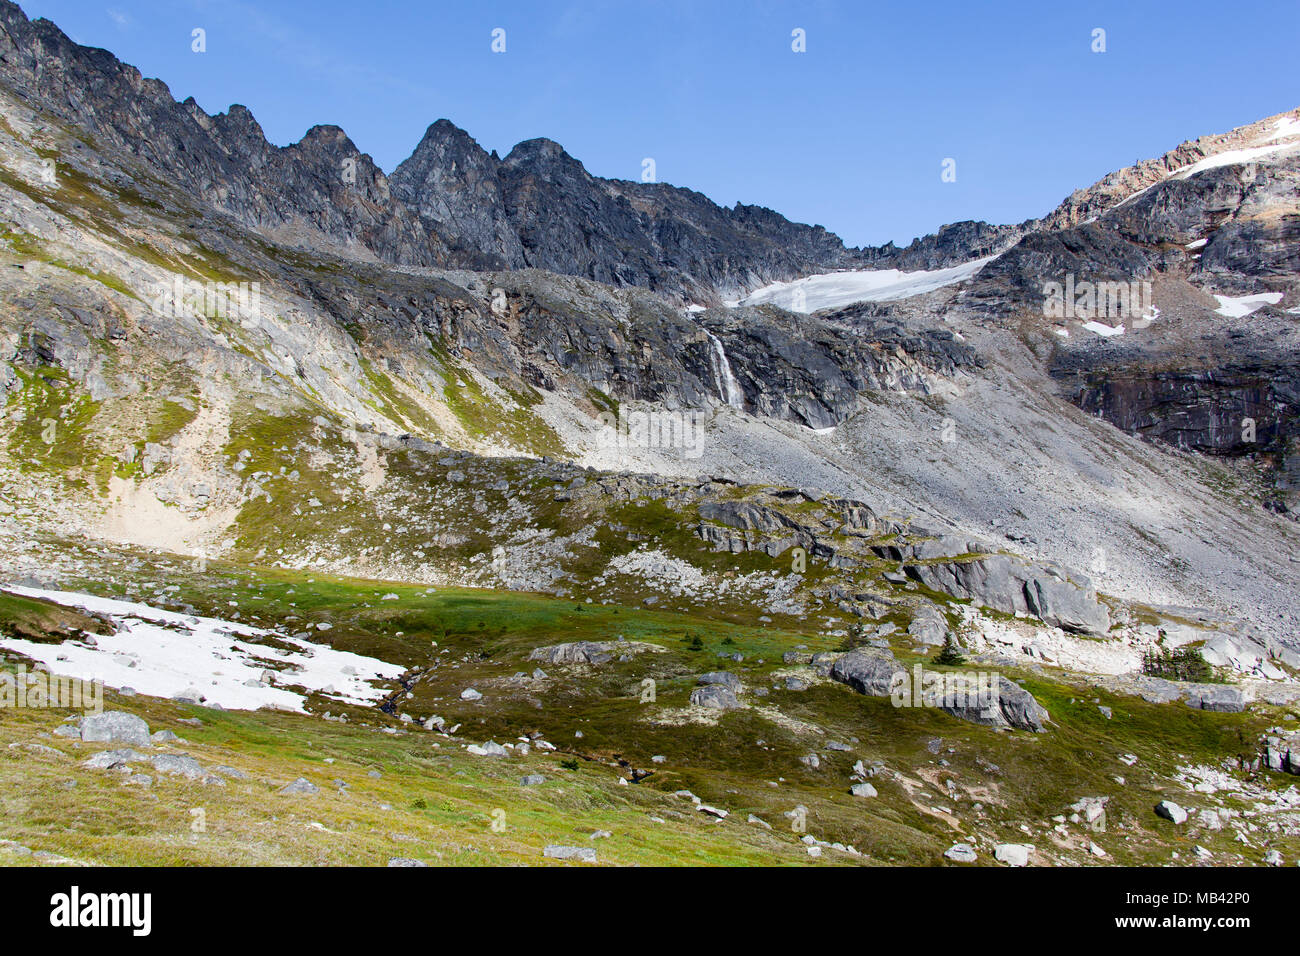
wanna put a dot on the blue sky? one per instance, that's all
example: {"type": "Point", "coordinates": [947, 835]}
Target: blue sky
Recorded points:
{"type": "Point", "coordinates": [850, 134]}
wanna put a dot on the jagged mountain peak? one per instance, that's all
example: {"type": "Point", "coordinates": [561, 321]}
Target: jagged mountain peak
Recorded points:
{"type": "Point", "coordinates": [540, 151]}
{"type": "Point", "coordinates": [327, 135]}
{"type": "Point", "coordinates": [440, 136]}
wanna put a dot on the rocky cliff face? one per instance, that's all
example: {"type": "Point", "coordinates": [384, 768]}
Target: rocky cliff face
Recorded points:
{"type": "Point", "coordinates": [1231, 395]}
{"type": "Point", "coordinates": [1219, 217]}
{"type": "Point", "coordinates": [453, 186]}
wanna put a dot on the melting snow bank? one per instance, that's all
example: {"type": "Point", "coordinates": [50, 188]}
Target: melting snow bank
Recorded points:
{"type": "Point", "coordinates": [1105, 331]}
{"type": "Point", "coordinates": [1236, 307]}
{"type": "Point", "coordinates": [835, 289]}
{"type": "Point", "coordinates": [164, 653]}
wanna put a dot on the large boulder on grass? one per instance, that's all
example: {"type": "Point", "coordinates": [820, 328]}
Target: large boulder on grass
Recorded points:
{"type": "Point", "coordinates": [115, 727]}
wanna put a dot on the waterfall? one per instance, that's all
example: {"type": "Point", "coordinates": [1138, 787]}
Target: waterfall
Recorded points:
{"type": "Point", "coordinates": [728, 387]}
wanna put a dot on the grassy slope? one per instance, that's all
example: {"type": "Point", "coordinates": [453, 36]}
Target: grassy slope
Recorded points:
{"type": "Point", "coordinates": [443, 799]}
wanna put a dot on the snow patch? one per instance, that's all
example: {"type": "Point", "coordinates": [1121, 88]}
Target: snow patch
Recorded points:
{"type": "Point", "coordinates": [162, 653]}
{"type": "Point", "coordinates": [1106, 331]}
{"type": "Point", "coordinates": [1236, 307]}
{"type": "Point", "coordinates": [834, 289]}
{"type": "Point", "coordinates": [1232, 157]}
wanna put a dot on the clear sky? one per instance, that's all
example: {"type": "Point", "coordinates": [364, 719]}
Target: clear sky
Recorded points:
{"type": "Point", "coordinates": [851, 134]}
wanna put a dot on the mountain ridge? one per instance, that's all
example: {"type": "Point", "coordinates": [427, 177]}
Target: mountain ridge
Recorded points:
{"type": "Point", "coordinates": [463, 207]}
{"type": "Point", "coordinates": [180, 140]}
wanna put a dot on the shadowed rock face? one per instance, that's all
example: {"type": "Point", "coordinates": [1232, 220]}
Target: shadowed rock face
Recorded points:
{"type": "Point", "coordinates": [1198, 411]}
{"type": "Point", "coordinates": [1207, 384]}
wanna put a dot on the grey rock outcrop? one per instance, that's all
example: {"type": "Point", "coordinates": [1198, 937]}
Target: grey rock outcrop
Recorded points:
{"type": "Point", "coordinates": [928, 626]}
{"type": "Point", "coordinates": [1171, 812]}
{"type": "Point", "coordinates": [1057, 597]}
{"type": "Point", "coordinates": [715, 697]}
{"type": "Point", "coordinates": [869, 671]}
{"type": "Point", "coordinates": [301, 786]}
{"type": "Point", "coordinates": [115, 727]}
{"type": "Point", "coordinates": [994, 702]}
{"type": "Point", "coordinates": [589, 652]}
{"type": "Point", "coordinates": [721, 678]}
{"type": "Point", "coordinates": [582, 854]}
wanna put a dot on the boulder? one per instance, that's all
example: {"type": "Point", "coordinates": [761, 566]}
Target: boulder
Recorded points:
{"type": "Point", "coordinates": [1006, 705]}
{"type": "Point", "coordinates": [181, 765]}
{"type": "Point", "coordinates": [928, 626]}
{"type": "Point", "coordinates": [112, 759]}
{"type": "Point", "coordinates": [300, 786]}
{"type": "Point", "coordinates": [869, 671]}
{"type": "Point", "coordinates": [1223, 698]}
{"type": "Point", "coordinates": [715, 697]}
{"type": "Point", "coordinates": [960, 853]}
{"type": "Point", "coordinates": [115, 727]}
{"type": "Point", "coordinates": [721, 678]}
{"type": "Point", "coordinates": [583, 854]}
{"type": "Point", "coordinates": [1171, 811]}
{"type": "Point", "coordinates": [1013, 854]}
{"type": "Point", "coordinates": [1019, 708]}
